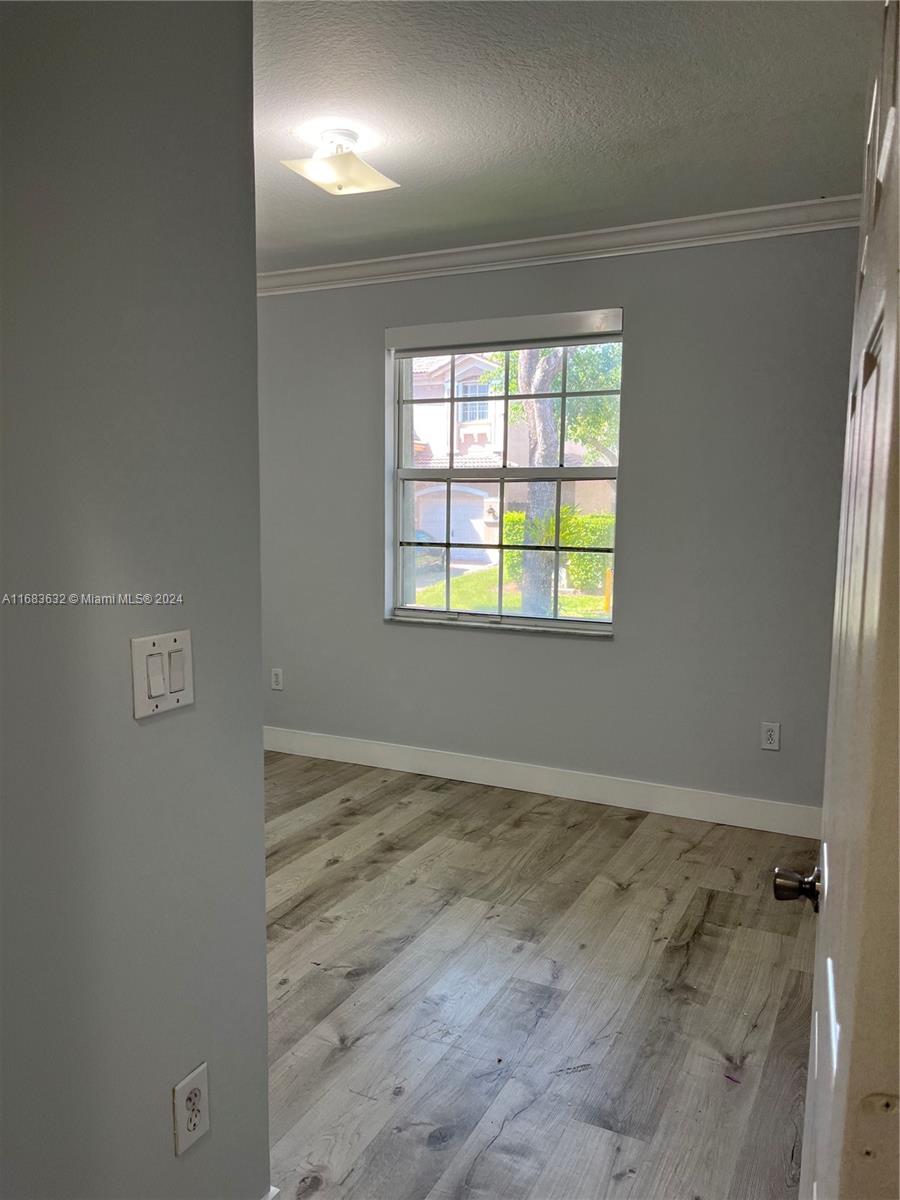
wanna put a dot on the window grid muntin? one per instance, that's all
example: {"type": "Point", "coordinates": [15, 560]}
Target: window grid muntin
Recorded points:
{"type": "Point", "coordinates": [501, 557]}
{"type": "Point", "coordinates": [501, 475]}
{"type": "Point", "coordinates": [512, 396]}
{"type": "Point", "coordinates": [509, 546]}
{"type": "Point", "coordinates": [557, 531]}
{"type": "Point", "coordinates": [447, 539]}
{"type": "Point", "coordinates": [450, 453]}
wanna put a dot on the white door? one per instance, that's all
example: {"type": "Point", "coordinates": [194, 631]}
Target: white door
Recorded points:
{"type": "Point", "coordinates": [851, 1137]}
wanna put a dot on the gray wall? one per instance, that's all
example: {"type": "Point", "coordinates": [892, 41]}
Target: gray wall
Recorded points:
{"type": "Point", "coordinates": [133, 901]}
{"type": "Point", "coordinates": [735, 369]}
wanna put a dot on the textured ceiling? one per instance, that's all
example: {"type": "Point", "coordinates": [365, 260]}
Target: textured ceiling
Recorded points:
{"type": "Point", "coordinates": [509, 120]}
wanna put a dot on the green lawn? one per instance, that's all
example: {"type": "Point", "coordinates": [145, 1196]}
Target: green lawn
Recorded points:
{"type": "Point", "coordinates": [476, 591]}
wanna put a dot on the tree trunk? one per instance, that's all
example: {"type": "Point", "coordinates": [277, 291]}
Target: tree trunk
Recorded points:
{"type": "Point", "coordinates": [543, 450]}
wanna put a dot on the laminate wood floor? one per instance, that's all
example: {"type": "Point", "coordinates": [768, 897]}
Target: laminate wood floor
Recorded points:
{"type": "Point", "coordinates": [481, 994]}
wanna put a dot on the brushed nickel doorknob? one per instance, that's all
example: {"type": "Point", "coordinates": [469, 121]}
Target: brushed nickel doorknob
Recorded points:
{"type": "Point", "coordinates": [791, 885]}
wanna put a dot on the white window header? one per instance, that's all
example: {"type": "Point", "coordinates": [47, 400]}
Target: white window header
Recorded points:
{"type": "Point", "coordinates": [544, 328]}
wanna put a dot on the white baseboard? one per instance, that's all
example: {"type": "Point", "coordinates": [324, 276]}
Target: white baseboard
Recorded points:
{"type": "Point", "coordinates": [798, 820]}
{"type": "Point", "coordinates": [272, 1193]}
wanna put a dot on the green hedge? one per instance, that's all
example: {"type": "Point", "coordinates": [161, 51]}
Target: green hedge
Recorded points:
{"type": "Point", "coordinates": [585, 572]}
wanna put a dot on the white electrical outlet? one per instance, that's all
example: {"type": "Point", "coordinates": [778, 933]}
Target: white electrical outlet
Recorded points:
{"type": "Point", "coordinates": [770, 735]}
{"type": "Point", "coordinates": [277, 679]}
{"type": "Point", "coordinates": [190, 1108]}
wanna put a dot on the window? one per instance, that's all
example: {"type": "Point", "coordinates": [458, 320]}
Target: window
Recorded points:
{"type": "Point", "coordinates": [503, 509]}
{"type": "Point", "coordinates": [472, 410]}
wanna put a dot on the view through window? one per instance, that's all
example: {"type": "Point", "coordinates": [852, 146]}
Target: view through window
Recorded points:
{"type": "Point", "coordinates": [506, 504]}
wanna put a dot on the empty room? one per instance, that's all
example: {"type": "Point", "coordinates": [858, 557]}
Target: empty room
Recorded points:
{"type": "Point", "coordinates": [449, 508]}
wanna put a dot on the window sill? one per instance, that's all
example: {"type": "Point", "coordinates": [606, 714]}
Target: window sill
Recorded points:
{"type": "Point", "coordinates": [567, 629]}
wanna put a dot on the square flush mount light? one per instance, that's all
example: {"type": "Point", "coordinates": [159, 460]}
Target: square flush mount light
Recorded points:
{"type": "Point", "coordinates": [337, 169]}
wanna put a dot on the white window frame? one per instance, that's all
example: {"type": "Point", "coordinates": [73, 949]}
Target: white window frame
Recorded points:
{"type": "Point", "coordinates": [560, 329]}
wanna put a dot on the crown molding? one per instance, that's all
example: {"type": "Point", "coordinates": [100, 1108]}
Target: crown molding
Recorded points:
{"type": "Point", "coordinates": [776, 220]}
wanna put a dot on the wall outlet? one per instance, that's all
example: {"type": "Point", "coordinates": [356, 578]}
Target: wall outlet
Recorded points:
{"type": "Point", "coordinates": [770, 735]}
{"type": "Point", "coordinates": [190, 1108]}
{"type": "Point", "coordinates": [277, 679]}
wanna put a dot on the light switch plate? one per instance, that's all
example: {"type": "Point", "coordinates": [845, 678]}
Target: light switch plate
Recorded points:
{"type": "Point", "coordinates": [163, 644]}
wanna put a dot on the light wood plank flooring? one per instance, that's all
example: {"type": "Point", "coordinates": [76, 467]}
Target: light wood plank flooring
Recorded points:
{"type": "Point", "coordinates": [481, 994]}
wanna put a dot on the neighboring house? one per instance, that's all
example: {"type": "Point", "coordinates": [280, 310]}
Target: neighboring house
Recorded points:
{"type": "Point", "coordinates": [477, 435]}
{"type": "Point", "coordinates": [478, 425]}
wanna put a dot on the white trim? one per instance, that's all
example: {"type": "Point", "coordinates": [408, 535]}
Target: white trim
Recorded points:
{"type": "Point", "coordinates": [776, 220]}
{"type": "Point", "coordinates": [547, 328]}
{"type": "Point", "coordinates": [797, 820]}
{"type": "Point", "coordinates": [272, 1194]}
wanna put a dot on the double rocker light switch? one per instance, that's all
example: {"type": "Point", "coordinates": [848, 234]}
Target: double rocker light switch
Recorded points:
{"type": "Point", "coordinates": [156, 679]}
{"type": "Point", "coordinates": [176, 670]}
{"type": "Point", "coordinates": [162, 672]}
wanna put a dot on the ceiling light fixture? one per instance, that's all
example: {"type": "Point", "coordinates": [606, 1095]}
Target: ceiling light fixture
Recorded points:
{"type": "Point", "coordinates": [337, 168]}
{"type": "Point", "coordinates": [311, 132]}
